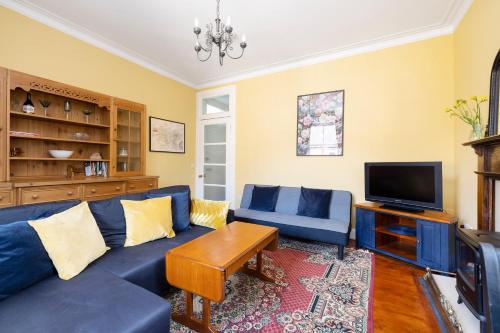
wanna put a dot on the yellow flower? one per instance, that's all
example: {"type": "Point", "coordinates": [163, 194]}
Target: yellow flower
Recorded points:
{"type": "Point", "coordinates": [483, 99]}
{"type": "Point", "coordinates": [474, 98]}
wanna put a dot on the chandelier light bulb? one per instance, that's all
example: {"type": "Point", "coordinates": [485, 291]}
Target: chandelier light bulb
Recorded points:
{"type": "Point", "coordinates": [243, 38]}
{"type": "Point", "coordinates": [196, 23]}
{"type": "Point", "coordinates": [228, 21]}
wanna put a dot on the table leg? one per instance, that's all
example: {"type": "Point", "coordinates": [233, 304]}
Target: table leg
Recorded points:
{"type": "Point", "coordinates": [187, 319]}
{"type": "Point", "coordinates": [257, 272]}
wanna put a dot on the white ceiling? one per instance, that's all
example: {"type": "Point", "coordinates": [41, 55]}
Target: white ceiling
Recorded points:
{"type": "Point", "coordinates": [281, 33]}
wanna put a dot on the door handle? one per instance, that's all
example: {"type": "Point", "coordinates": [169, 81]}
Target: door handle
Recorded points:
{"type": "Point", "coordinates": [201, 176]}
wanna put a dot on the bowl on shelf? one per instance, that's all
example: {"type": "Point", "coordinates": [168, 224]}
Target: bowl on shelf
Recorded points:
{"type": "Point", "coordinates": [60, 153]}
{"type": "Point", "coordinates": [81, 136]}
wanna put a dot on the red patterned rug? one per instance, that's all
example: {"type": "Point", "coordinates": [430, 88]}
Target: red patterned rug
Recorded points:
{"type": "Point", "coordinates": [314, 292]}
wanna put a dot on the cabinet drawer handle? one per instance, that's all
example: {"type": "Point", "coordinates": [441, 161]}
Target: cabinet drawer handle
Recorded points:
{"type": "Point", "coordinates": [70, 193]}
{"type": "Point", "coordinates": [132, 186]}
{"type": "Point", "coordinates": [150, 184]}
{"type": "Point", "coordinates": [93, 190]}
{"type": "Point", "coordinates": [118, 188]}
{"type": "Point", "coordinates": [34, 196]}
{"type": "Point", "coordinates": [1, 197]}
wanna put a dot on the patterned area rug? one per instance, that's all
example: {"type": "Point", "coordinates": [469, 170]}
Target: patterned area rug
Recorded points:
{"type": "Point", "coordinates": [314, 292]}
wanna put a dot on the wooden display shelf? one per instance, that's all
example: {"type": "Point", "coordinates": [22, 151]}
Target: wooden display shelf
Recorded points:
{"type": "Point", "coordinates": [60, 120]}
{"type": "Point", "coordinates": [384, 230]}
{"type": "Point", "coordinates": [402, 248]}
{"type": "Point", "coordinates": [56, 159]}
{"type": "Point", "coordinates": [47, 138]}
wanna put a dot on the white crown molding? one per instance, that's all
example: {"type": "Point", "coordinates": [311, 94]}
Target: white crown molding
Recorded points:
{"type": "Point", "coordinates": [333, 54]}
{"type": "Point", "coordinates": [54, 21]}
{"type": "Point", "coordinates": [449, 23]}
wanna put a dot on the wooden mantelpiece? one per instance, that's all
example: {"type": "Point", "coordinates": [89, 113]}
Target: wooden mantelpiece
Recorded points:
{"type": "Point", "coordinates": [488, 171]}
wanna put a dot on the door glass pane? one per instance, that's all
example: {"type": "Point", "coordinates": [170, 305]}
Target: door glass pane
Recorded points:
{"type": "Point", "coordinates": [214, 105]}
{"type": "Point", "coordinates": [215, 133]}
{"type": "Point", "coordinates": [215, 174]}
{"type": "Point", "coordinates": [215, 193]}
{"type": "Point", "coordinates": [215, 154]}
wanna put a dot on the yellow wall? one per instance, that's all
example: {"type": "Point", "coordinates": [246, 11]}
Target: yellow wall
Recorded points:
{"type": "Point", "coordinates": [477, 41]}
{"type": "Point", "coordinates": [394, 101]}
{"type": "Point", "coordinates": [34, 48]}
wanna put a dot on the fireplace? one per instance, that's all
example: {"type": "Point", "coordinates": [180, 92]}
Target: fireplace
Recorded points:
{"type": "Point", "coordinates": [469, 284]}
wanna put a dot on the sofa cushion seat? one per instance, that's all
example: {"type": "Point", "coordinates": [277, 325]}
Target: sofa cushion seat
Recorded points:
{"type": "Point", "coordinates": [144, 265]}
{"type": "Point", "coordinates": [331, 231]}
{"type": "Point", "coordinates": [94, 301]}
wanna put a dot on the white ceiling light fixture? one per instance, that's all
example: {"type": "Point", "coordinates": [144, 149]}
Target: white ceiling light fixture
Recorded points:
{"type": "Point", "coordinates": [221, 39]}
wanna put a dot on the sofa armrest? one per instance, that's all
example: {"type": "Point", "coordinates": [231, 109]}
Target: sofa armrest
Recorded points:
{"type": "Point", "coordinates": [230, 216]}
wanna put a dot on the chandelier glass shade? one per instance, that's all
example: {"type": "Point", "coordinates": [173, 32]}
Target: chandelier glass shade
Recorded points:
{"type": "Point", "coordinates": [219, 38]}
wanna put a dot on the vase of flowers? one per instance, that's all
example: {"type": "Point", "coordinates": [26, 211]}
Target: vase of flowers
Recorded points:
{"type": "Point", "coordinates": [470, 113]}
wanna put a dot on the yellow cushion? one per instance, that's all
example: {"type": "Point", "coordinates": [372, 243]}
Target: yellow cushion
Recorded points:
{"type": "Point", "coordinates": [209, 213]}
{"type": "Point", "coordinates": [72, 239]}
{"type": "Point", "coordinates": [148, 220]}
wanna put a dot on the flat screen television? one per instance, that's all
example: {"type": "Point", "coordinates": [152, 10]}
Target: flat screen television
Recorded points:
{"type": "Point", "coordinates": [405, 185]}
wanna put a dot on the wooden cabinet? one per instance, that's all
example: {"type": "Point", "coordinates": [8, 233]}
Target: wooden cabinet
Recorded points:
{"type": "Point", "coordinates": [426, 239]}
{"type": "Point", "coordinates": [128, 138]}
{"type": "Point", "coordinates": [105, 134]}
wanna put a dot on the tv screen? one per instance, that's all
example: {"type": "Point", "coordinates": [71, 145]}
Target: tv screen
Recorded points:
{"type": "Point", "coordinates": [412, 185]}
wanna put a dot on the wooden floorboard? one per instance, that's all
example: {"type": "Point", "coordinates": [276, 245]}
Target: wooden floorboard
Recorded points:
{"type": "Point", "coordinates": [399, 303]}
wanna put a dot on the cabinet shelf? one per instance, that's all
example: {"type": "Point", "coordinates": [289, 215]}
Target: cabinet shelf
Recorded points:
{"type": "Point", "coordinates": [46, 138]}
{"type": "Point", "coordinates": [402, 248]}
{"type": "Point", "coordinates": [56, 159]}
{"type": "Point", "coordinates": [60, 120]}
{"type": "Point", "coordinates": [385, 231]}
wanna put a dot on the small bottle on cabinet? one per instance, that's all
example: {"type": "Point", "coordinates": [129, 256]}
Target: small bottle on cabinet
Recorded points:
{"type": "Point", "coordinates": [28, 106]}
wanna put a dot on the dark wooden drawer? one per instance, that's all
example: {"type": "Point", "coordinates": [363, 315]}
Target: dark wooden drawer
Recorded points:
{"type": "Point", "coordinates": [141, 185]}
{"type": "Point", "coordinates": [31, 195]}
{"type": "Point", "coordinates": [103, 189]}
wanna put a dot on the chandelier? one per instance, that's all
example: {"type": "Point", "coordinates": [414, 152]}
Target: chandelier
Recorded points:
{"type": "Point", "coordinates": [220, 37]}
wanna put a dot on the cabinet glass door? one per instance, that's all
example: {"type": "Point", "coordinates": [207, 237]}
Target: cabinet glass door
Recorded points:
{"type": "Point", "coordinates": [128, 141]}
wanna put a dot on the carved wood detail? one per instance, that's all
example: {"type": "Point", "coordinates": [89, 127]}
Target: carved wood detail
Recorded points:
{"type": "Point", "coordinates": [28, 82]}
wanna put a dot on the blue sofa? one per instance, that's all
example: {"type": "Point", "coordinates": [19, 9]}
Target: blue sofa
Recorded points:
{"type": "Point", "coordinates": [334, 230]}
{"type": "Point", "coordinates": [120, 292]}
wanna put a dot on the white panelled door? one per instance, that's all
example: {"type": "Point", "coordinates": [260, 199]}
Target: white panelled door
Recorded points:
{"type": "Point", "coordinates": [215, 145]}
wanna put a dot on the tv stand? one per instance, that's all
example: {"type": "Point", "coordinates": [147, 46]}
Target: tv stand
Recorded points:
{"type": "Point", "coordinates": [425, 238]}
{"type": "Point", "coordinates": [402, 208]}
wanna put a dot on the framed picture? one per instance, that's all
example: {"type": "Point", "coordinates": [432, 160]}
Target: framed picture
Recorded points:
{"type": "Point", "coordinates": [320, 124]}
{"type": "Point", "coordinates": [166, 136]}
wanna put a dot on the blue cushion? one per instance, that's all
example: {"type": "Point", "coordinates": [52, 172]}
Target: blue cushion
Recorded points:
{"type": "Point", "coordinates": [35, 211]}
{"type": "Point", "coordinates": [314, 203]}
{"type": "Point", "coordinates": [110, 218]}
{"type": "Point", "coordinates": [23, 259]}
{"type": "Point", "coordinates": [144, 265]}
{"type": "Point", "coordinates": [94, 301]}
{"type": "Point", "coordinates": [264, 198]}
{"type": "Point", "coordinates": [180, 208]}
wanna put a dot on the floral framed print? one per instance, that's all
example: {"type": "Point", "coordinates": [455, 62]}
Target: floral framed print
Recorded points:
{"type": "Point", "coordinates": [166, 136]}
{"type": "Point", "coordinates": [320, 124]}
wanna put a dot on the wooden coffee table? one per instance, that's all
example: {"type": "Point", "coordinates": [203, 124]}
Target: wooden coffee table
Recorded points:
{"type": "Point", "coordinates": [203, 265]}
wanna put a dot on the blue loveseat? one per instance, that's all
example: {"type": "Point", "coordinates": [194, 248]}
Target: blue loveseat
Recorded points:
{"type": "Point", "coordinates": [120, 292]}
{"type": "Point", "coordinates": [334, 230]}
